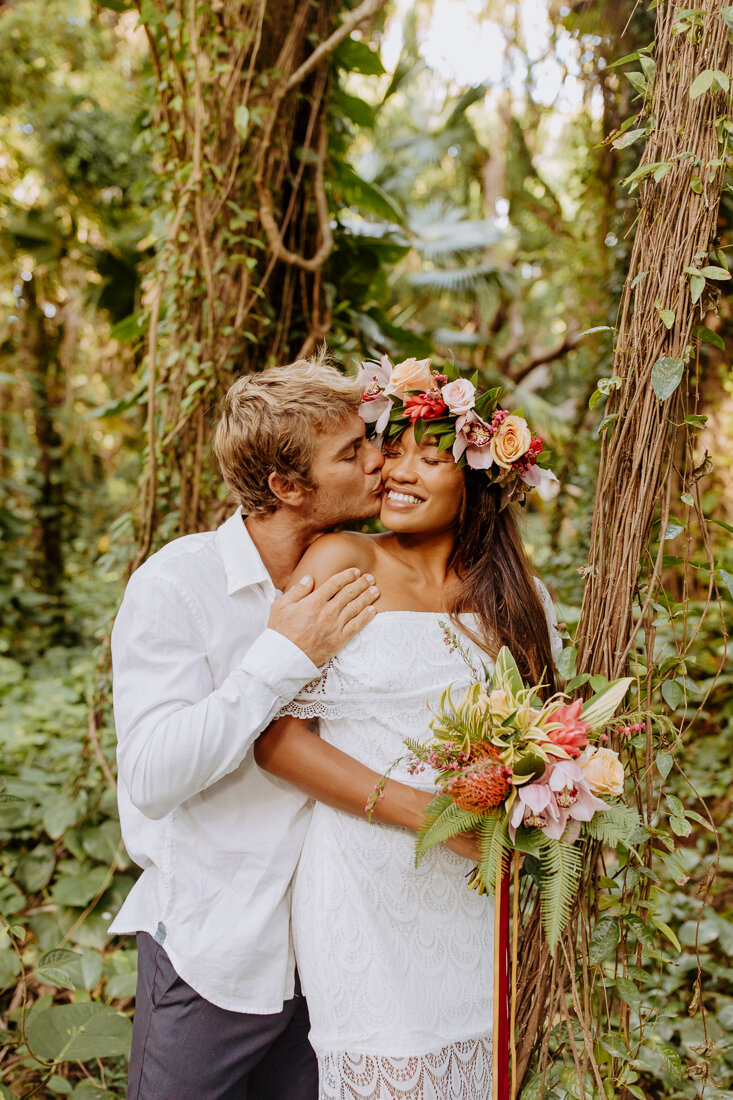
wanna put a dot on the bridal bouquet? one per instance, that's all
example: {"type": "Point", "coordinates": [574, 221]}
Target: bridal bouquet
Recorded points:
{"type": "Point", "coordinates": [527, 776]}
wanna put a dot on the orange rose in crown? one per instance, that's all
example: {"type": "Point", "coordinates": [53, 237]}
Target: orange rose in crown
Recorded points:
{"type": "Point", "coordinates": [511, 442]}
{"type": "Point", "coordinates": [411, 376]}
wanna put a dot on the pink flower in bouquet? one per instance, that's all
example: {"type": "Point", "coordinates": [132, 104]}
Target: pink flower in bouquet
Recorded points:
{"type": "Point", "coordinates": [473, 436]}
{"type": "Point", "coordinates": [535, 808]}
{"type": "Point", "coordinates": [375, 405]}
{"type": "Point", "coordinates": [573, 796]}
{"type": "Point", "coordinates": [562, 795]}
{"type": "Point", "coordinates": [572, 734]}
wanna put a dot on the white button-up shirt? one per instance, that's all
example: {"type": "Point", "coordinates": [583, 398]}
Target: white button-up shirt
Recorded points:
{"type": "Point", "coordinates": [197, 676]}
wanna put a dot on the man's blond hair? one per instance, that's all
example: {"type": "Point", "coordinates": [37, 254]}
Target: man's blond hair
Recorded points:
{"type": "Point", "coordinates": [269, 422]}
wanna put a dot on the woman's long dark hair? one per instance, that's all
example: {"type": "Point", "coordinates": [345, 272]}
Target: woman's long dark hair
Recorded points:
{"type": "Point", "coordinates": [496, 582]}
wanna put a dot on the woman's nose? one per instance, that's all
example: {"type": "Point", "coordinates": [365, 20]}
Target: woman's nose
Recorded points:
{"type": "Point", "coordinates": [403, 469]}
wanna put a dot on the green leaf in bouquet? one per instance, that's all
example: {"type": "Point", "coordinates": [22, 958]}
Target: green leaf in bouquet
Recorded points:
{"type": "Point", "coordinates": [600, 708]}
{"type": "Point", "coordinates": [531, 766]}
{"type": "Point", "coordinates": [493, 840]}
{"type": "Point", "coordinates": [442, 820]}
{"type": "Point", "coordinates": [506, 673]}
{"type": "Point", "coordinates": [529, 841]}
{"type": "Point", "coordinates": [562, 867]}
{"type": "Point", "coordinates": [566, 661]}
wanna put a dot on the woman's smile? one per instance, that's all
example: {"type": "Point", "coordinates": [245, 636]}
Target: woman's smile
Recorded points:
{"type": "Point", "coordinates": [401, 499]}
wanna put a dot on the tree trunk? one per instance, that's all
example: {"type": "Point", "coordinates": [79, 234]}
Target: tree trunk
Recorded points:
{"type": "Point", "coordinates": [243, 114]}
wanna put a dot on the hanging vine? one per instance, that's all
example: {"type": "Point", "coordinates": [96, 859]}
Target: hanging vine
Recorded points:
{"type": "Point", "coordinates": [586, 999]}
{"type": "Point", "coordinates": [242, 99]}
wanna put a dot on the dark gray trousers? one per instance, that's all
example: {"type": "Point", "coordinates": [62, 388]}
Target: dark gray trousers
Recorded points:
{"type": "Point", "coordinates": [184, 1048]}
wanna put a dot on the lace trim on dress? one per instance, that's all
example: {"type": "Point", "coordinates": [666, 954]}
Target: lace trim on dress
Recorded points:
{"type": "Point", "coordinates": [457, 1071]}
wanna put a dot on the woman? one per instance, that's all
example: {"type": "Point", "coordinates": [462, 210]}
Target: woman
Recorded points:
{"type": "Point", "coordinates": [395, 961]}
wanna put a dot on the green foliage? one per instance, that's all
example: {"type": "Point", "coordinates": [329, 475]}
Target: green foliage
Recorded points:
{"type": "Point", "coordinates": [424, 260]}
{"type": "Point", "coordinates": [443, 820]}
{"type": "Point", "coordinates": [560, 872]}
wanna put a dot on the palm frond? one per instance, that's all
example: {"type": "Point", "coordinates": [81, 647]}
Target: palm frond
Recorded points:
{"type": "Point", "coordinates": [543, 416]}
{"type": "Point", "coordinates": [455, 278]}
{"type": "Point", "coordinates": [445, 239]}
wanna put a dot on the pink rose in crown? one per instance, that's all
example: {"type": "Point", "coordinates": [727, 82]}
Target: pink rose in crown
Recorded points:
{"type": "Point", "coordinates": [571, 732]}
{"type": "Point", "coordinates": [375, 405]}
{"type": "Point", "coordinates": [459, 396]}
{"type": "Point", "coordinates": [473, 436]}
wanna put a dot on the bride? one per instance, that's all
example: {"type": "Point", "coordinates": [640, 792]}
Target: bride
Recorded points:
{"type": "Point", "coordinates": [395, 961]}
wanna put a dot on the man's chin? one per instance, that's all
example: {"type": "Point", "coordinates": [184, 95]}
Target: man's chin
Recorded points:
{"type": "Point", "coordinates": [370, 508]}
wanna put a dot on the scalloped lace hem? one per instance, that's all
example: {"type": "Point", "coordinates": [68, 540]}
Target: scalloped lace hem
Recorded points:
{"type": "Point", "coordinates": [457, 1071]}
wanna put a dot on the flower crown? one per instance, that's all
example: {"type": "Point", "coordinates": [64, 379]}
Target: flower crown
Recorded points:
{"type": "Point", "coordinates": [480, 434]}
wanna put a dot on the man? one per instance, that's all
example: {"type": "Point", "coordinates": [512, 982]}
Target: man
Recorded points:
{"type": "Point", "coordinates": [205, 653]}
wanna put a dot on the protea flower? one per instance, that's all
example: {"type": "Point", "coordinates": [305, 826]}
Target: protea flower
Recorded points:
{"type": "Point", "coordinates": [484, 784]}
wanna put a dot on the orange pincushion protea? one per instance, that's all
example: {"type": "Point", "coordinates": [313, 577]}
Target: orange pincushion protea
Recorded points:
{"type": "Point", "coordinates": [484, 784]}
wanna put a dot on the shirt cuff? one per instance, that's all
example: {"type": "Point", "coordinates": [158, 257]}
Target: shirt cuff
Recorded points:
{"type": "Point", "coordinates": [280, 663]}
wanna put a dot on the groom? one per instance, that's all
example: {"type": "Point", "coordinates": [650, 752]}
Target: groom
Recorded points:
{"type": "Point", "coordinates": [205, 652]}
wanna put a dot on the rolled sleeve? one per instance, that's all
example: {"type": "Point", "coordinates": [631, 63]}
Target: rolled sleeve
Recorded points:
{"type": "Point", "coordinates": [280, 663]}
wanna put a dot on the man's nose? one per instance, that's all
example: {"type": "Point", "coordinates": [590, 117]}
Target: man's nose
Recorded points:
{"type": "Point", "coordinates": [375, 460]}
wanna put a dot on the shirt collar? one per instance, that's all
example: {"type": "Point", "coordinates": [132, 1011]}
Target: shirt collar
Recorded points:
{"type": "Point", "coordinates": [242, 562]}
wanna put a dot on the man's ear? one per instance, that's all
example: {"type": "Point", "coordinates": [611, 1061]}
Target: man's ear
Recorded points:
{"type": "Point", "coordinates": [285, 491]}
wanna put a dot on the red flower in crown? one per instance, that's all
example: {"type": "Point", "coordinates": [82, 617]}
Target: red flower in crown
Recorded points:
{"type": "Point", "coordinates": [425, 406]}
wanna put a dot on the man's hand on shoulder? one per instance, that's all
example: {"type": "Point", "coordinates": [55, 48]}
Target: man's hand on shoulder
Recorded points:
{"type": "Point", "coordinates": [321, 618]}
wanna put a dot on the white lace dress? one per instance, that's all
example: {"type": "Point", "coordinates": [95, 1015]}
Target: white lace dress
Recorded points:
{"type": "Point", "coordinates": [395, 962]}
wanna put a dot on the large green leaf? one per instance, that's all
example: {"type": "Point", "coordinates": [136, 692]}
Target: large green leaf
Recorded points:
{"type": "Point", "coordinates": [600, 708]}
{"type": "Point", "coordinates": [360, 193]}
{"type": "Point", "coordinates": [666, 376]}
{"type": "Point", "coordinates": [604, 938]}
{"type": "Point", "coordinates": [506, 671]}
{"type": "Point", "coordinates": [358, 58]}
{"type": "Point", "coordinates": [78, 1032]}
{"type": "Point", "coordinates": [78, 890]}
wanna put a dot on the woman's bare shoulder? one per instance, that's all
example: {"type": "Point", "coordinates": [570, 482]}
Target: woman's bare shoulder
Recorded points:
{"type": "Point", "coordinates": [334, 552]}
